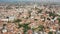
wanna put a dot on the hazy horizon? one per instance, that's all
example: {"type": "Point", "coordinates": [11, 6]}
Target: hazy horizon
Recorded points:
{"type": "Point", "coordinates": [30, 0]}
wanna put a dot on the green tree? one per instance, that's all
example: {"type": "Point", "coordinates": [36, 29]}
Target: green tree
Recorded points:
{"type": "Point", "coordinates": [26, 28]}
{"type": "Point", "coordinates": [41, 27]}
{"type": "Point", "coordinates": [40, 11]}
{"type": "Point", "coordinates": [17, 20]}
{"type": "Point", "coordinates": [58, 20]}
{"type": "Point", "coordinates": [50, 32]}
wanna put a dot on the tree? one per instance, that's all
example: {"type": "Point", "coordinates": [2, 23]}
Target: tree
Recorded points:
{"type": "Point", "coordinates": [35, 19]}
{"type": "Point", "coordinates": [41, 27]}
{"type": "Point", "coordinates": [19, 26]}
{"type": "Point", "coordinates": [8, 7]}
{"type": "Point", "coordinates": [50, 32]}
{"type": "Point", "coordinates": [40, 11]}
{"type": "Point", "coordinates": [17, 20]}
{"type": "Point", "coordinates": [58, 20]}
{"type": "Point", "coordinates": [26, 28]}
{"type": "Point", "coordinates": [52, 14]}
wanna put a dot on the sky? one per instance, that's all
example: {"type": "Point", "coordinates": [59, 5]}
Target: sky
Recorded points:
{"type": "Point", "coordinates": [32, 0]}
